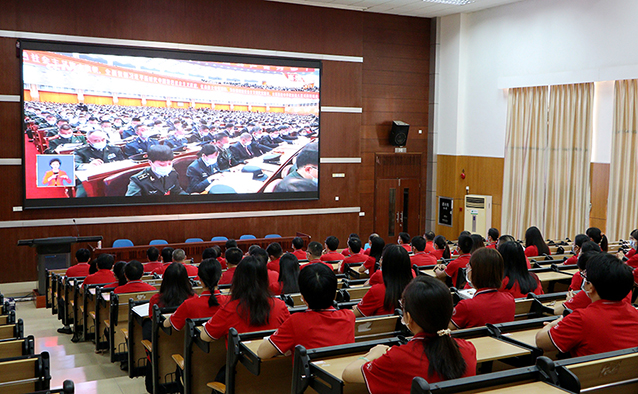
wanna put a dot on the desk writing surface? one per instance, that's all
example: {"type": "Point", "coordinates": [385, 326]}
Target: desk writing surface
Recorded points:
{"type": "Point", "coordinates": [335, 366]}
{"type": "Point", "coordinates": [106, 296]}
{"type": "Point", "coordinates": [552, 276]}
{"type": "Point", "coordinates": [253, 345]}
{"type": "Point", "coordinates": [526, 336]}
{"type": "Point", "coordinates": [490, 349]}
{"type": "Point", "coordinates": [92, 290]}
{"type": "Point", "coordinates": [570, 271]}
{"type": "Point", "coordinates": [525, 388]}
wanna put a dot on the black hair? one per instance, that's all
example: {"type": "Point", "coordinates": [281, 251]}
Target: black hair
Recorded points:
{"type": "Point", "coordinates": [353, 235]}
{"type": "Point", "coordinates": [133, 270]}
{"type": "Point", "coordinates": [233, 255]}
{"type": "Point", "coordinates": [82, 255]}
{"type": "Point", "coordinates": [55, 159]}
{"type": "Point", "coordinates": [152, 253]}
{"type": "Point", "coordinates": [465, 232]}
{"type": "Point", "coordinates": [218, 251]}
{"type": "Point", "coordinates": [405, 237]}
{"type": "Point", "coordinates": [167, 254]}
{"type": "Point", "coordinates": [297, 242]}
{"type": "Point", "coordinates": [332, 242]}
{"type": "Point", "coordinates": [493, 233]}
{"type": "Point", "coordinates": [429, 235]}
{"type": "Point", "coordinates": [533, 237]}
{"type": "Point", "coordinates": [209, 253]}
{"type": "Point", "coordinates": [209, 272]}
{"type": "Point", "coordinates": [318, 285]}
{"type": "Point", "coordinates": [231, 243]}
{"type": "Point", "coordinates": [289, 273]}
{"type": "Point", "coordinates": [250, 288]}
{"type": "Point", "coordinates": [105, 261]}
{"type": "Point", "coordinates": [176, 287]}
{"type": "Point", "coordinates": [580, 239]}
{"type": "Point", "coordinates": [612, 278]}
{"type": "Point", "coordinates": [430, 305]}
{"type": "Point", "coordinates": [355, 245]}
{"type": "Point", "coordinates": [118, 270]}
{"type": "Point", "coordinates": [92, 266]}
{"type": "Point", "coordinates": [506, 238]}
{"type": "Point", "coordinates": [487, 269]}
{"type": "Point", "coordinates": [634, 234]}
{"type": "Point", "coordinates": [418, 243]}
{"type": "Point", "coordinates": [597, 236]}
{"type": "Point", "coordinates": [397, 273]}
{"type": "Point", "coordinates": [315, 248]}
{"type": "Point", "coordinates": [275, 250]}
{"type": "Point", "coordinates": [307, 156]}
{"type": "Point", "coordinates": [590, 246]}
{"type": "Point", "coordinates": [160, 153]}
{"type": "Point", "coordinates": [376, 248]}
{"type": "Point", "coordinates": [260, 254]}
{"type": "Point", "coordinates": [441, 243]}
{"type": "Point", "coordinates": [293, 184]}
{"type": "Point", "coordinates": [477, 242]}
{"type": "Point", "coordinates": [515, 267]}
{"type": "Point", "coordinates": [465, 243]}
{"type": "Point", "coordinates": [584, 257]}
{"type": "Point", "coordinates": [208, 150]}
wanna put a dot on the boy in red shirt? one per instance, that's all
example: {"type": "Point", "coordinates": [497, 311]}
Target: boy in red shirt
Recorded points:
{"type": "Point", "coordinates": [104, 273]}
{"type": "Point", "coordinates": [330, 252]}
{"type": "Point", "coordinates": [420, 257]}
{"type": "Point", "coordinates": [314, 255]}
{"type": "Point", "coordinates": [429, 242]}
{"type": "Point", "coordinates": [167, 259]}
{"type": "Point", "coordinates": [355, 255]}
{"type": "Point", "coordinates": [607, 324]}
{"type": "Point", "coordinates": [274, 251]}
{"type": "Point", "coordinates": [404, 241]}
{"type": "Point", "coordinates": [320, 325]}
{"type": "Point", "coordinates": [133, 272]}
{"type": "Point", "coordinates": [154, 261]}
{"type": "Point", "coordinates": [233, 257]}
{"type": "Point", "coordinates": [452, 269]}
{"type": "Point", "coordinates": [297, 245]}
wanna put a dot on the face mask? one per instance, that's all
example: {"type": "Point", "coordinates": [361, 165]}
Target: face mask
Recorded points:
{"type": "Point", "coordinates": [99, 145]}
{"type": "Point", "coordinates": [226, 146]}
{"type": "Point", "coordinates": [275, 136]}
{"type": "Point", "coordinates": [66, 135]}
{"type": "Point", "coordinates": [315, 181]}
{"type": "Point", "coordinates": [163, 171]}
{"type": "Point", "coordinates": [209, 162]}
{"type": "Point", "coordinates": [633, 244]}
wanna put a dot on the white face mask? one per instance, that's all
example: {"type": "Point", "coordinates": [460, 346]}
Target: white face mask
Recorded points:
{"type": "Point", "coordinates": [275, 136]}
{"type": "Point", "coordinates": [99, 145]}
{"type": "Point", "coordinates": [162, 171]}
{"type": "Point", "coordinates": [66, 135]}
{"type": "Point", "coordinates": [226, 146]}
{"type": "Point", "coordinates": [632, 243]}
{"type": "Point", "coordinates": [209, 162]}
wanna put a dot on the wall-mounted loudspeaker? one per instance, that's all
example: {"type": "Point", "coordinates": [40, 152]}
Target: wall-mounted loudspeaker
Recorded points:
{"type": "Point", "coordinates": [399, 133]}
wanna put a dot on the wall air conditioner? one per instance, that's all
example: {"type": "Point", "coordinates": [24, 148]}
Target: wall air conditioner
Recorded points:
{"type": "Point", "coordinates": [478, 214]}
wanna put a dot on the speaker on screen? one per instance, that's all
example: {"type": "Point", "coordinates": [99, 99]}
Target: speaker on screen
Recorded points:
{"type": "Point", "coordinates": [399, 133]}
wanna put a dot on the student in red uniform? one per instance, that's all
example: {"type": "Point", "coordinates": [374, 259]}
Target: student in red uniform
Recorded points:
{"type": "Point", "coordinates": [577, 279]}
{"type": "Point", "coordinates": [457, 250]}
{"type": "Point", "coordinates": [633, 237]}
{"type": "Point", "coordinates": [218, 255]}
{"type": "Point", "coordinates": [330, 253]}
{"type": "Point", "coordinates": [118, 271]}
{"type": "Point", "coordinates": [404, 241]}
{"type": "Point", "coordinates": [517, 280]}
{"type": "Point", "coordinates": [104, 273]}
{"type": "Point", "coordinates": [477, 242]}
{"type": "Point", "coordinates": [346, 252]}
{"type": "Point", "coordinates": [631, 256]}
{"type": "Point", "coordinates": [297, 248]}
{"type": "Point", "coordinates": [179, 256]}
{"type": "Point", "coordinates": [355, 255]}
{"type": "Point", "coordinates": [431, 353]}
{"type": "Point", "coordinates": [82, 257]}
{"type": "Point", "coordinates": [154, 261]}
{"type": "Point", "coordinates": [320, 325]}
{"type": "Point", "coordinates": [441, 248]}
{"type": "Point", "coordinates": [607, 324]}
{"type": "Point", "coordinates": [534, 243]}
{"type": "Point", "coordinates": [251, 307]}
{"type": "Point", "coordinates": [233, 257]}
{"type": "Point", "coordinates": [175, 289]}
{"type": "Point", "coordinates": [368, 245]}
{"type": "Point", "coordinates": [313, 254]}
{"type": "Point", "coordinates": [288, 274]}
{"type": "Point", "coordinates": [383, 298]}
{"type": "Point", "coordinates": [133, 272]}
{"type": "Point", "coordinates": [420, 257]}
{"type": "Point", "coordinates": [597, 236]}
{"type": "Point", "coordinates": [485, 274]}
{"type": "Point", "coordinates": [579, 240]}
{"type": "Point", "coordinates": [207, 304]}
{"type": "Point", "coordinates": [167, 259]}
{"type": "Point", "coordinates": [429, 242]}
{"type": "Point", "coordinates": [492, 238]}
{"type": "Point", "coordinates": [274, 251]}
{"type": "Point", "coordinates": [452, 269]}
{"type": "Point", "coordinates": [376, 250]}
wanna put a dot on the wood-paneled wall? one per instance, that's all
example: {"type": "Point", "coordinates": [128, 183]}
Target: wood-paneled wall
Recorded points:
{"type": "Point", "coordinates": [599, 180]}
{"type": "Point", "coordinates": [390, 84]}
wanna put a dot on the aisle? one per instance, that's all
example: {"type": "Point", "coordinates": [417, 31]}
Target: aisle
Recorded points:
{"type": "Point", "coordinates": [92, 373]}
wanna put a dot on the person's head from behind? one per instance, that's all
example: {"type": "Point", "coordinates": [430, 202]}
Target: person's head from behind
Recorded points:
{"type": "Point", "coordinates": [167, 255]}
{"type": "Point", "coordinates": [250, 288]}
{"type": "Point", "coordinates": [477, 242]}
{"type": "Point", "coordinates": [376, 247]}
{"type": "Point", "coordinates": [404, 238]}
{"type": "Point", "coordinates": [332, 243]}
{"type": "Point", "coordinates": [492, 234]}
{"type": "Point", "coordinates": [82, 255]}
{"type": "Point", "coordinates": [504, 238]}
{"type": "Point", "coordinates": [354, 244]}
{"type": "Point", "coordinates": [176, 287]}
{"type": "Point", "coordinates": [608, 277]}
{"type": "Point", "coordinates": [397, 272]}
{"type": "Point", "coordinates": [314, 250]}
{"type": "Point", "coordinates": [584, 257]}
{"type": "Point", "coordinates": [418, 243]}
{"type": "Point", "coordinates": [209, 272]}
{"type": "Point", "coordinates": [318, 285]}
{"type": "Point", "coordinates": [233, 256]}
{"type": "Point", "coordinates": [134, 270]}
{"type": "Point", "coordinates": [596, 235]}
{"type": "Point", "coordinates": [105, 261]}
{"type": "Point", "coordinates": [429, 236]}
{"type": "Point", "coordinates": [259, 253]}
{"type": "Point", "coordinates": [179, 255]}
{"type": "Point", "coordinates": [297, 243]}
{"type": "Point", "coordinates": [533, 237]}
{"type": "Point", "coordinates": [590, 246]}
{"type": "Point", "coordinates": [274, 251]}
{"type": "Point", "coordinates": [513, 259]}
{"type": "Point", "coordinates": [118, 271]}
{"type": "Point", "coordinates": [152, 253]}
{"type": "Point", "coordinates": [427, 307]}
{"type": "Point", "coordinates": [579, 240]}
{"type": "Point", "coordinates": [288, 273]}
{"type": "Point", "coordinates": [210, 253]}
{"type": "Point", "coordinates": [465, 243]}
{"type": "Point", "coordinates": [160, 157]}
{"type": "Point", "coordinates": [485, 269]}
{"type": "Point", "coordinates": [231, 243]}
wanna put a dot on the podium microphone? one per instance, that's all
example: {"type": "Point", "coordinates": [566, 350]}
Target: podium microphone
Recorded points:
{"type": "Point", "coordinates": [77, 229]}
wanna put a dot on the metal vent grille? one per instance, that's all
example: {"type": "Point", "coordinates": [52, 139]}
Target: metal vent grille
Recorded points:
{"type": "Point", "coordinates": [474, 202]}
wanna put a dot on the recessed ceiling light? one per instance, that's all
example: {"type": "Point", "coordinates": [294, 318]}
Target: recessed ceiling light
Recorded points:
{"type": "Point", "coordinates": [451, 2]}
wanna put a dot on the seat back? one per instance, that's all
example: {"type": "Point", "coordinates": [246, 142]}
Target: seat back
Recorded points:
{"type": "Point", "coordinates": [122, 243]}
{"type": "Point", "coordinates": [366, 329]}
{"type": "Point", "coordinates": [116, 184]}
{"type": "Point", "coordinates": [619, 372]}
{"type": "Point", "coordinates": [273, 236]}
{"type": "Point", "coordinates": [194, 240]}
{"type": "Point", "coordinates": [218, 238]}
{"type": "Point", "coordinates": [158, 242]}
{"type": "Point", "coordinates": [180, 165]}
{"type": "Point", "coordinates": [247, 236]}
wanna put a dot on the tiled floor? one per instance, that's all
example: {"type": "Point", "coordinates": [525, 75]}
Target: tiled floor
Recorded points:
{"type": "Point", "coordinates": [91, 372]}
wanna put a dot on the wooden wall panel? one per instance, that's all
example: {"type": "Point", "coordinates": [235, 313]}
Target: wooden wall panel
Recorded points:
{"type": "Point", "coordinates": [599, 180]}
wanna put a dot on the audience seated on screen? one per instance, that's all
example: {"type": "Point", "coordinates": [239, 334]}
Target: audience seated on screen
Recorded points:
{"type": "Point", "coordinates": [142, 143]}
{"type": "Point", "coordinates": [200, 172]}
{"type": "Point", "coordinates": [159, 179]}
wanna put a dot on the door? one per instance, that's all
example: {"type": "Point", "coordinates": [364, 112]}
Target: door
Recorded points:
{"type": "Point", "coordinates": [397, 208]}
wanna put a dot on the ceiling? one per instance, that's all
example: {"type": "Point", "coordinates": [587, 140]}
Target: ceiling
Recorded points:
{"type": "Point", "coordinates": [419, 8]}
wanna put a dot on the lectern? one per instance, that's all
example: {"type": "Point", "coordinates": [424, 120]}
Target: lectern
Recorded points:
{"type": "Point", "coordinates": [53, 253]}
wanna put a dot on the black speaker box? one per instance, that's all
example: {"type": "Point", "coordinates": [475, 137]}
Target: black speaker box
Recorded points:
{"type": "Point", "coordinates": [399, 133]}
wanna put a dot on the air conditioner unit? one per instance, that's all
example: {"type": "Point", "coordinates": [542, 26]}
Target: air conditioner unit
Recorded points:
{"type": "Point", "coordinates": [478, 214]}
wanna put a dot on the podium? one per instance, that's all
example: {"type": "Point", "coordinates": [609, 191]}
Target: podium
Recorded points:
{"type": "Point", "coordinates": [53, 253]}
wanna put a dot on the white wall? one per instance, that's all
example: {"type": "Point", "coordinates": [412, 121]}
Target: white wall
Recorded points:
{"type": "Point", "coordinates": [530, 43]}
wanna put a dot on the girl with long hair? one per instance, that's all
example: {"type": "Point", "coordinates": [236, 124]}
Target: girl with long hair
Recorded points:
{"type": "Point", "coordinates": [516, 277]}
{"type": "Point", "coordinates": [441, 248]}
{"type": "Point", "coordinates": [288, 274]}
{"type": "Point", "coordinates": [597, 236]}
{"type": "Point", "coordinates": [534, 243]}
{"type": "Point", "coordinates": [376, 250]}
{"type": "Point", "coordinates": [175, 289]}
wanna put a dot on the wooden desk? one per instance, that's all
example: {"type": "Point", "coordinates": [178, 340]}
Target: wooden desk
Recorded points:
{"type": "Point", "coordinates": [253, 345]}
{"type": "Point", "coordinates": [525, 388]}
{"type": "Point", "coordinates": [526, 336]}
{"type": "Point", "coordinates": [550, 276]}
{"type": "Point", "coordinates": [490, 349]}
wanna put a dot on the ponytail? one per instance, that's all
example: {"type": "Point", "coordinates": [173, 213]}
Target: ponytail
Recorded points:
{"type": "Point", "coordinates": [445, 357]}
{"type": "Point", "coordinates": [441, 243]}
{"type": "Point", "coordinates": [209, 272]}
{"type": "Point", "coordinates": [597, 236]}
{"type": "Point", "coordinates": [604, 244]}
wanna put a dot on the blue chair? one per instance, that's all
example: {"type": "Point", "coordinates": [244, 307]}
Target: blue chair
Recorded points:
{"type": "Point", "coordinates": [273, 236]}
{"type": "Point", "coordinates": [247, 236]}
{"type": "Point", "coordinates": [219, 238]}
{"type": "Point", "coordinates": [122, 243]}
{"type": "Point", "coordinates": [194, 240]}
{"type": "Point", "coordinates": [158, 242]}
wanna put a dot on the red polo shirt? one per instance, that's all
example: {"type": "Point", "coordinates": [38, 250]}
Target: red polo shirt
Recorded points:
{"type": "Point", "coordinates": [633, 261]}
{"type": "Point", "coordinates": [571, 261]}
{"type": "Point", "coordinates": [332, 256]}
{"type": "Point", "coordinates": [636, 276]}
{"type": "Point", "coordinates": [393, 372]}
{"type": "Point", "coordinates": [101, 276]}
{"type": "Point", "coordinates": [317, 261]}
{"type": "Point", "coordinates": [422, 258]}
{"type": "Point", "coordinates": [80, 269]}
{"type": "Point", "coordinates": [227, 276]}
{"type": "Point", "coordinates": [355, 258]}
{"type": "Point", "coordinates": [429, 247]}
{"type": "Point", "coordinates": [369, 264]}
{"type": "Point", "coordinates": [301, 254]}
{"type": "Point", "coordinates": [581, 300]}
{"type": "Point", "coordinates": [152, 266]}
{"type": "Point", "coordinates": [453, 266]}
{"type": "Point", "coordinates": [487, 306]}
{"type": "Point", "coordinates": [631, 253]}
{"type": "Point", "coordinates": [377, 277]}
{"type": "Point", "coordinates": [134, 286]}
{"type": "Point", "coordinates": [516, 288]}
{"type": "Point", "coordinates": [407, 247]}
{"type": "Point", "coordinates": [160, 270]}
{"type": "Point", "coordinates": [273, 265]}
{"type": "Point", "coordinates": [223, 263]}
{"type": "Point", "coordinates": [603, 326]}
{"type": "Point", "coordinates": [372, 302]}
{"type": "Point", "coordinates": [438, 254]}
{"type": "Point", "coordinates": [190, 269]}
{"type": "Point", "coordinates": [228, 316]}
{"type": "Point", "coordinates": [532, 251]}
{"type": "Point", "coordinates": [329, 327]}
{"type": "Point", "coordinates": [196, 308]}
{"type": "Point", "coordinates": [273, 282]}
{"type": "Point", "coordinates": [577, 281]}
{"type": "Point", "coordinates": [155, 300]}
{"type": "Point", "coordinates": [491, 245]}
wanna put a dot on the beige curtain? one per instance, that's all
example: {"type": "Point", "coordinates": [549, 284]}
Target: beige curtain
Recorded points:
{"type": "Point", "coordinates": [525, 160]}
{"type": "Point", "coordinates": [622, 208]}
{"type": "Point", "coordinates": [569, 157]}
